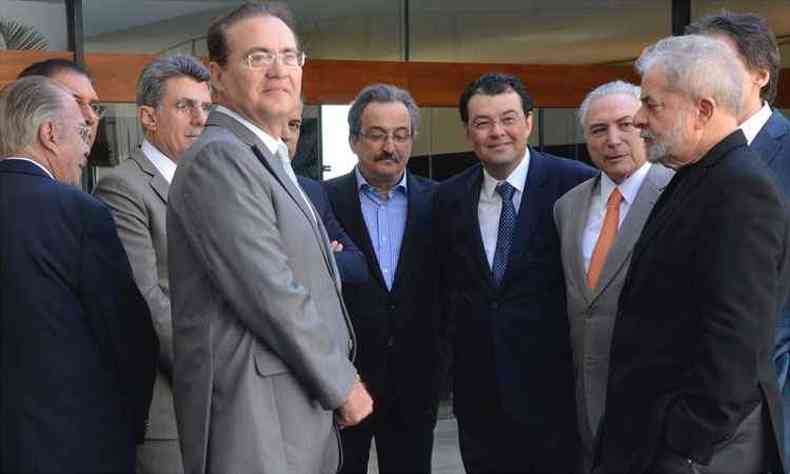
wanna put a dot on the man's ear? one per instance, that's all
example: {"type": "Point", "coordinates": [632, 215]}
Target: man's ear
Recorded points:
{"type": "Point", "coordinates": [216, 77]}
{"type": "Point", "coordinates": [47, 136]}
{"type": "Point", "coordinates": [705, 106]}
{"type": "Point", "coordinates": [147, 117]}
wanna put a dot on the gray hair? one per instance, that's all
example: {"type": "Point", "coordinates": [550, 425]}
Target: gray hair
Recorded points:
{"type": "Point", "coordinates": [25, 105]}
{"type": "Point", "coordinates": [151, 83]}
{"type": "Point", "coordinates": [381, 93]}
{"type": "Point", "coordinates": [697, 66]}
{"type": "Point", "coordinates": [610, 88]}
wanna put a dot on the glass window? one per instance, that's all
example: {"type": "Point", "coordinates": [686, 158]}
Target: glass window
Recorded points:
{"type": "Point", "coordinates": [534, 31]}
{"type": "Point", "coordinates": [353, 29]}
{"type": "Point", "coordinates": [35, 25]}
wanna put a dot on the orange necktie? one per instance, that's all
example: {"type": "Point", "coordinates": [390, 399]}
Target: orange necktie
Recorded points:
{"type": "Point", "coordinates": [606, 238]}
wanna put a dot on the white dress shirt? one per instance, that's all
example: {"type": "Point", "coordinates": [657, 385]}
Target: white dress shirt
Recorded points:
{"type": "Point", "coordinates": [31, 161]}
{"type": "Point", "coordinates": [163, 164]}
{"type": "Point", "coordinates": [628, 189]}
{"type": "Point", "coordinates": [276, 147]}
{"type": "Point", "coordinates": [489, 207]}
{"type": "Point", "coordinates": [752, 126]}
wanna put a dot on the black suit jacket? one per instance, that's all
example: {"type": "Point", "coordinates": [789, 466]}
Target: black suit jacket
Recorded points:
{"type": "Point", "coordinates": [511, 348]}
{"type": "Point", "coordinates": [350, 261]}
{"type": "Point", "coordinates": [397, 333]}
{"type": "Point", "coordinates": [692, 344]}
{"type": "Point", "coordinates": [78, 352]}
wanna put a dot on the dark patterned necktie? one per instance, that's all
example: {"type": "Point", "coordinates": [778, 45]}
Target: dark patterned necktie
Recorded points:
{"type": "Point", "coordinates": [507, 223]}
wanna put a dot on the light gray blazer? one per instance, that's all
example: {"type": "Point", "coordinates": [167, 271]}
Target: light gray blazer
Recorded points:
{"type": "Point", "coordinates": [262, 340]}
{"type": "Point", "coordinates": [136, 194]}
{"type": "Point", "coordinates": [591, 313]}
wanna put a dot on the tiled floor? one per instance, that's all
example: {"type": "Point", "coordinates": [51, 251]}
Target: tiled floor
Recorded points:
{"type": "Point", "coordinates": [446, 456]}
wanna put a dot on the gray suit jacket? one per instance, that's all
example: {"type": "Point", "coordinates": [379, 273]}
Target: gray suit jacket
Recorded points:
{"type": "Point", "coordinates": [261, 336]}
{"type": "Point", "coordinates": [136, 194]}
{"type": "Point", "coordinates": [591, 313]}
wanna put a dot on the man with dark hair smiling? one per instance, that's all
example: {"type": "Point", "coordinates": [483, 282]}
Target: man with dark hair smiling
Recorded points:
{"type": "Point", "coordinates": [502, 281]}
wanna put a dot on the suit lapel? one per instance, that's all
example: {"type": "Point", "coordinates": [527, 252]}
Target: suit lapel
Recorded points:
{"type": "Point", "coordinates": [469, 205]}
{"type": "Point", "coordinates": [767, 141]}
{"type": "Point", "coordinates": [579, 221]}
{"type": "Point", "coordinates": [532, 201]}
{"type": "Point", "coordinates": [158, 182]}
{"type": "Point", "coordinates": [418, 202]}
{"type": "Point", "coordinates": [352, 208]}
{"type": "Point", "coordinates": [632, 225]}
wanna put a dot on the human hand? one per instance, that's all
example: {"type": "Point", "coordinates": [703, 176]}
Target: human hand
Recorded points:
{"type": "Point", "coordinates": [356, 408]}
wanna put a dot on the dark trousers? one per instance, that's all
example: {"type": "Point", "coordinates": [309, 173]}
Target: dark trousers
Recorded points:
{"type": "Point", "coordinates": [500, 445]}
{"type": "Point", "coordinates": [402, 445]}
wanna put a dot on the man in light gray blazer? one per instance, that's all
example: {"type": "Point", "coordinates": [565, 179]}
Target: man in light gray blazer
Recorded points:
{"type": "Point", "coordinates": [173, 101]}
{"type": "Point", "coordinates": [598, 222]}
{"type": "Point", "coordinates": [262, 340]}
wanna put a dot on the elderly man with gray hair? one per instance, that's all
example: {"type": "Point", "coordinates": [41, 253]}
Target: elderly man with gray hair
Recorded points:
{"type": "Point", "coordinates": [691, 383]}
{"type": "Point", "coordinates": [598, 223]}
{"type": "Point", "coordinates": [388, 211]}
{"type": "Point", "coordinates": [78, 349]}
{"type": "Point", "coordinates": [173, 101]}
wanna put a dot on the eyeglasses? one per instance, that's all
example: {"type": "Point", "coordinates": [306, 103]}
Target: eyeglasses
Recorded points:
{"type": "Point", "coordinates": [485, 124]}
{"type": "Point", "coordinates": [85, 133]}
{"type": "Point", "coordinates": [98, 109]}
{"type": "Point", "coordinates": [399, 136]}
{"type": "Point", "coordinates": [264, 58]}
{"type": "Point", "coordinates": [189, 106]}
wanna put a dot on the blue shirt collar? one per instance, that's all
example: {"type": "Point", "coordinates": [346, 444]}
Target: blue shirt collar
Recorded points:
{"type": "Point", "coordinates": [362, 183]}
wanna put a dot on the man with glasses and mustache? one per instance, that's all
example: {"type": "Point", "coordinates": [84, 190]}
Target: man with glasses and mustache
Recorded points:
{"type": "Point", "coordinates": [263, 373]}
{"type": "Point", "coordinates": [388, 213]}
{"type": "Point", "coordinates": [692, 386]}
{"type": "Point", "coordinates": [78, 349]}
{"type": "Point", "coordinates": [173, 101]}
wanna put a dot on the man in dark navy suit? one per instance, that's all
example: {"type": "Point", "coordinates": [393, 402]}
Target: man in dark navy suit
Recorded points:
{"type": "Point", "coordinates": [387, 212]}
{"type": "Point", "coordinates": [767, 132]}
{"type": "Point", "coordinates": [350, 261]}
{"type": "Point", "coordinates": [78, 351]}
{"type": "Point", "coordinates": [502, 281]}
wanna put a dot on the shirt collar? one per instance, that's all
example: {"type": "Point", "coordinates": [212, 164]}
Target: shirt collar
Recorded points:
{"type": "Point", "coordinates": [752, 126]}
{"type": "Point", "coordinates": [163, 164]}
{"type": "Point", "coordinates": [31, 161]}
{"type": "Point", "coordinates": [628, 188]}
{"type": "Point", "coordinates": [517, 179]}
{"type": "Point", "coordinates": [274, 145]}
{"type": "Point", "coordinates": [363, 183]}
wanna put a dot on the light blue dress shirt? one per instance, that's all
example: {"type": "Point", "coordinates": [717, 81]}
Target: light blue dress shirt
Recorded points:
{"type": "Point", "coordinates": [386, 222]}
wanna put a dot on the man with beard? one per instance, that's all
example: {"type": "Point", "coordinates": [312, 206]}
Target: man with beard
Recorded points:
{"type": "Point", "coordinates": [387, 212]}
{"type": "Point", "coordinates": [767, 132]}
{"type": "Point", "coordinates": [691, 383]}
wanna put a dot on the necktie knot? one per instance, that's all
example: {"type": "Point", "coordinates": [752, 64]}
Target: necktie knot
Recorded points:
{"type": "Point", "coordinates": [614, 198]}
{"type": "Point", "coordinates": [505, 190]}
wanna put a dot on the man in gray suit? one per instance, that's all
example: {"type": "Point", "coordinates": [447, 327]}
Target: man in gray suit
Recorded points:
{"type": "Point", "coordinates": [262, 340]}
{"type": "Point", "coordinates": [598, 222]}
{"type": "Point", "coordinates": [173, 101]}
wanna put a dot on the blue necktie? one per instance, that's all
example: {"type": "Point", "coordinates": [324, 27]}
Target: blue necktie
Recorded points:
{"type": "Point", "coordinates": [507, 223]}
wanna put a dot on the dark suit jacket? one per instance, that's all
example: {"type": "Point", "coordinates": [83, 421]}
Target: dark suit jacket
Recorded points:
{"type": "Point", "coordinates": [511, 348]}
{"type": "Point", "coordinates": [692, 343]}
{"type": "Point", "coordinates": [350, 261]}
{"type": "Point", "coordinates": [78, 352]}
{"type": "Point", "coordinates": [773, 146]}
{"type": "Point", "coordinates": [397, 353]}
